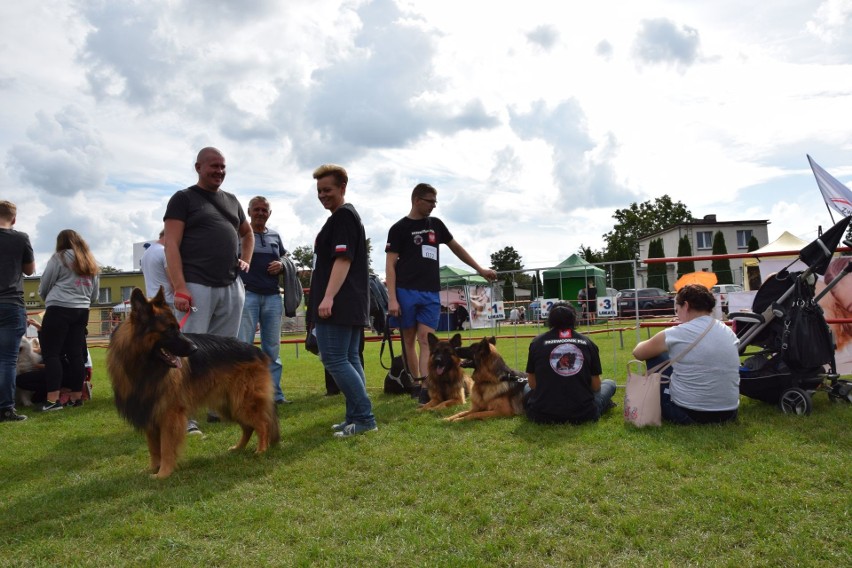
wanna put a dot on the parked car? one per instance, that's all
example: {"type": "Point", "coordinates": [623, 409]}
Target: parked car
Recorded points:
{"type": "Point", "coordinates": [611, 292]}
{"type": "Point", "coordinates": [652, 302]}
{"type": "Point", "coordinates": [723, 290]}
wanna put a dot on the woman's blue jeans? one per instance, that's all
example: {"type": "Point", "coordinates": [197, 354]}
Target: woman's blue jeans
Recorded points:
{"type": "Point", "coordinates": [338, 345]}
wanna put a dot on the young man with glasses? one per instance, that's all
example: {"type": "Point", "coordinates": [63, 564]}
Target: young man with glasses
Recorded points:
{"type": "Point", "coordinates": [413, 275]}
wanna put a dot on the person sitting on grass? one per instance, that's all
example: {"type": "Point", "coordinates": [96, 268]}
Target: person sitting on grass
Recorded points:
{"type": "Point", "coordinates": [564, 373]}
{"type": "Point", "coordinates": [704, 385]}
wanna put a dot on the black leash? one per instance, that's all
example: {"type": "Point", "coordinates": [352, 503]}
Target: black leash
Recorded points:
{"type": "Point", "coordinates": [387, 338]}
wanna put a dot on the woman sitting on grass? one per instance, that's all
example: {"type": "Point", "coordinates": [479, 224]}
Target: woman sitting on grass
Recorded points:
{"type": "Point", "coordinates": [564, 372]}
{"type": "Point", "coordinates": [704, 384]}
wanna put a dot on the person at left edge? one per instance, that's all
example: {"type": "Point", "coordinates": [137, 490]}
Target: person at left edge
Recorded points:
{"type": "Point", "coordinates": [16, 259]}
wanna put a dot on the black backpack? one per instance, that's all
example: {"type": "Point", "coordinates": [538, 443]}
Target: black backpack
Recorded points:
{"type": "Point", "coordinates": [806, 341]}
{"type": "Point", "coordinates": [378, 303]}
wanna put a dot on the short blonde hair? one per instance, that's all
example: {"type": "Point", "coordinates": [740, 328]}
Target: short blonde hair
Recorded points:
{"type": "Point", "coordinates": [339, 173]}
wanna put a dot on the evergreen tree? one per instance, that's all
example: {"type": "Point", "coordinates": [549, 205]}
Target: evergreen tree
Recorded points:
{"type": "Point", "coordinates": [684, 248]}
{"type": "Point", "coordinates": [589, 255]}
{"type": "Point", "coordinates": [722, 267]}
{"type": "Point", "coordinates": [657, 270]}
{"type": "Point", "coordinates": [753, 244]}
{"type": "Point", "coordinates": [537, 287]}
{"type": "Point", "coordinates": [508, 259]}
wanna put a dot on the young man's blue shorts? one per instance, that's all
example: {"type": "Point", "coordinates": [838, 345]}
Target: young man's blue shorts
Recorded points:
{"type": "Point", "coordinates": [417, 306]}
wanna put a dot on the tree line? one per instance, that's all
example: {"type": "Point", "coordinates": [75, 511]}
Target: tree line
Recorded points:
{"type": "Point", "coordinates": [621, 243]}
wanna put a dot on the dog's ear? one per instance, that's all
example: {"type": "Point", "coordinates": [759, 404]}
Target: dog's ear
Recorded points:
{"type": "Point", "coordinates": [433, 341]}
{"type": "Point", "coordinates": [481, 352]}
{"type": "Point", "coordinates": [139, 305]}
{"type": "Point", "coordinates": [492, 340]}
{"type": "Point", "coordinates": [456, 341]}
{"type": "Point", "coordinates": [484, 346]}
{"type": "Point", "coordinates": [160, 298]}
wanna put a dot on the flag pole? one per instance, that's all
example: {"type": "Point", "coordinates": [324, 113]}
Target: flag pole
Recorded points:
{"type": "Point", "coordinates": [829, 213]}
{"type": "Point", "coordinates": [816, 177]}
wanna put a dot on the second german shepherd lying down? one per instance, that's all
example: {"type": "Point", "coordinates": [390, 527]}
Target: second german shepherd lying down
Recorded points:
{"type": "Point", "coordinates": [446, 382]}
{"type": "Point", "coordinates": [160, 376]}
{"type": "Point", "coordinates": [497, 390]}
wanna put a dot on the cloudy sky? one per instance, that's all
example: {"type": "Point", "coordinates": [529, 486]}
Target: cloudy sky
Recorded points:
{"type": "Point", "coordinates": [535, 120]}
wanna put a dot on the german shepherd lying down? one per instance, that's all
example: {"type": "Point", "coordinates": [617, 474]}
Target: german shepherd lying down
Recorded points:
{"type": "Point", "coordinates": [160, 376]}
{"type": "Point", "coordinates": [497, 389]}
{"type": "Point", "coordinates": [446, 382]}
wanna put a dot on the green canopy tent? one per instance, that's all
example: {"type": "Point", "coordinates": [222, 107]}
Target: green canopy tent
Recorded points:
{"type": "Point", "coordinates": [453, 281]}
{"type": "Point", "coordinates": [565, 280]}
{"type": "Point", "coordinates": [452, 277]}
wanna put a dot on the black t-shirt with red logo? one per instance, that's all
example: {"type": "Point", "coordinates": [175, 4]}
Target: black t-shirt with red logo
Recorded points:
{"type": "Point", "coordinates": [564, 363]}
{"type": "Point", "coordinates": [342, 235]}
{"type": "Point", "coordinates": [417, 242]}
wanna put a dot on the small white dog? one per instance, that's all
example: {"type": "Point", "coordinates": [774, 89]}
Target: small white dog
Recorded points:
{"type": "Point", "coordinates": [29, 356]}
{"type": "Point", "coordinates": [29, 359]}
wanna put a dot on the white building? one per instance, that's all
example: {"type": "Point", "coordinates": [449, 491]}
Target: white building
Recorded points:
{"type": "Point", "coordinates": [701, 233]}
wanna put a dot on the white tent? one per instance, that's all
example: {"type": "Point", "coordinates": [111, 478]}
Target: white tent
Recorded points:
{"type": "Point", "coordinates": [121, 308]}
{"type": "Point", "coordinates": [772, 264]}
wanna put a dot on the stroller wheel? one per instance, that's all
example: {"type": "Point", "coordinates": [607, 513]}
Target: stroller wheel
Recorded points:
{"type": "Point", "coordinates": [795, 401]}
{"type": "Point", "coordinates": [841, 392]}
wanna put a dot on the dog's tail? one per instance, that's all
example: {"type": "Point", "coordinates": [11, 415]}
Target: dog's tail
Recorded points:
{"type": "Point", "coordinates": [274, 428]}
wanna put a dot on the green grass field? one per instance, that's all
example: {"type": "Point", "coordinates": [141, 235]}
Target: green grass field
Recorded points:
{"type": "Point", "coordinates": [771, 490]}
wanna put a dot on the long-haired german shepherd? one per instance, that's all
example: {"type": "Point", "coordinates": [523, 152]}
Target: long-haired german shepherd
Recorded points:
{"type": "Point", "coordinates": [160, 376]}
{"type": "Point", "coordinates": [497, 389]}
{"type": "Point", "coordinates": [446, 382]}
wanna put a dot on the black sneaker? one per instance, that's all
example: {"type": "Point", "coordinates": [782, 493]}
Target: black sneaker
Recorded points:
{"type": "Point", "coordinates": [423, 397]}
{"type": "Point", "coordinates": [417, 387]}
{"type": "Point", "coordinates": [9, 415]}
{"type": "Point", "coordinates": [74, 403]}
{"type": "Point", "coordinates": [50, 406]}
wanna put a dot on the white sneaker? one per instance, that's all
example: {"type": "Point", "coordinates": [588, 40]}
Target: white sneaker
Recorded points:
{"type": "Point", "coordinates": [192, 428]}
{"type": "Point", "coordinates": [353, 430]}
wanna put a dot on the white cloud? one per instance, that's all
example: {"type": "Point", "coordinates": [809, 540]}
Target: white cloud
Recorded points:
{"type": "Point", "coordinates": [604, 49]}
{"type": "Point", "coordinates": [662, 41]}
{"type": "Point", "coordinates": [832, 20]}
{"type": "Point", "coordinates": [545, 36]}
{"type": "Point", "coordinates": [65, 154]}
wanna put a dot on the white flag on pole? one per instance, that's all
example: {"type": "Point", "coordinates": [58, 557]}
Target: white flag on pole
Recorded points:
{"type": "Point", "coordinates": [836, 195]}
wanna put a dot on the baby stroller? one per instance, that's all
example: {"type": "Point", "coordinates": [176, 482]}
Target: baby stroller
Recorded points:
{"type": "Point", "coordinates": [796, 347]}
